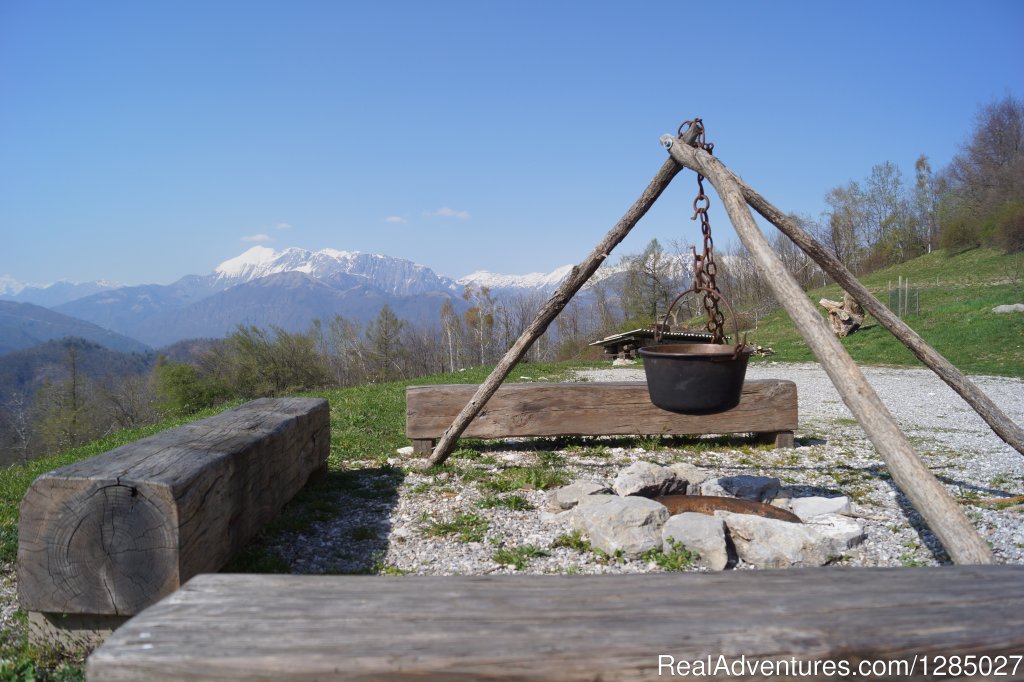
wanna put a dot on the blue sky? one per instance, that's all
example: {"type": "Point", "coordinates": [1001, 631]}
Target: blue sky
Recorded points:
{"type": "Point", "coordinates": [141, 141]}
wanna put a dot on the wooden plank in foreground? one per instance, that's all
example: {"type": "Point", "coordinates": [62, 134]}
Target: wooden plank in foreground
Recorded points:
{"type": "Point", "coordinates": [593, 409]}
{"type": "Point", "coordinates": [114, 533]}
{"type": "Point", "coordinates": [286, 627]}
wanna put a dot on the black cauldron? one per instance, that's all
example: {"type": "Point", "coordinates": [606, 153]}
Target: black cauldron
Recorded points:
{"type": "Point", "coordinates": [696, 378]}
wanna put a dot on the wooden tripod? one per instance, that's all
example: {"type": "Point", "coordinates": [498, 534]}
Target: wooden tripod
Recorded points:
{"type": "Point", "coordinates": [928, 496]}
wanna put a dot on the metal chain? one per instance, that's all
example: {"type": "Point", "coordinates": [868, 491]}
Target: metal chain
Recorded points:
{"type": "Point", "coordinates": [704, 266]}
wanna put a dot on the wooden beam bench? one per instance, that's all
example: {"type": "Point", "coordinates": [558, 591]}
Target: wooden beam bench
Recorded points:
{"type": "Point", "coordinates": [102, 539]}
{"type": "Point", "coordinates": [287, 627]}
{"type": "Point", "coordinates": [767, 407]}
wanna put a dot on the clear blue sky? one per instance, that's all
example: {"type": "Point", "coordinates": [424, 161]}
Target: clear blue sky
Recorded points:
{"type": "Point", "coordinates": [141, 141]}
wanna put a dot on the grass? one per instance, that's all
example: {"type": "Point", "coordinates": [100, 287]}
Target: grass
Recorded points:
{"type": "Point", "coordinates": [518, 557]}
{"type": "Point", "coordinates": [512, 502]}
{"type": "Point", "coordinates": [573, 540]}
{"type": "Point", "coordinates": [677, 558]}
{"type": "Point", "coordinates": [15, 480]}
{"type": "Point", "coordinates": [526, 478]}
{"type": "Point", "coordinates": [367, 426]}
{"type": "Point", "coordinates": [467, 527]}
{"type": "Point", "coordinates": [958, 292]}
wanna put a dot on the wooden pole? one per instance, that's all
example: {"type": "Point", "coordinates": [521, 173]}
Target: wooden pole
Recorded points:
{"type": "Point", "coordinates": [576, 279]}
{"type": "Point", "coordinates": [1003, 426]}
{"type": "Point", "coordinates": [936, 506]}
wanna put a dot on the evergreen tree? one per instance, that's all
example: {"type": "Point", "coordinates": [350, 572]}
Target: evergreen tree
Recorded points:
{"type": "Point", "coordinates": [66, 415]}
{"type": "Point", "coordinates": [384, 346]}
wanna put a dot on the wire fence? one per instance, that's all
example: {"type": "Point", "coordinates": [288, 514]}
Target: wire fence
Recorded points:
{"type": "Point", "coordinates": [903, 300]}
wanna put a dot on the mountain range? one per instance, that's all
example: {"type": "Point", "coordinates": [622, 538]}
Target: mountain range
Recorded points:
{"type": "Point", "coordinates": [50, 294]}
{"type": "Point", "coordinates": [25, 325]}
{"type": "Point", "coordinates": [264, 287]}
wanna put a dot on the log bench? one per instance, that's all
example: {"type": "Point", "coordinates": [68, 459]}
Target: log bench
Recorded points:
{"type": "Point", "coordinates": [101, 539]}
{"type": "Point", "coordinates": [288, 627]}
{"type": "Point", "coordinates": [767, 407]}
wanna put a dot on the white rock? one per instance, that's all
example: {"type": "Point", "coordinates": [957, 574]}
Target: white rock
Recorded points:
{"type": "Point", "coordinates": [842, 531]}
{"type": "Point", "coordinates": [1010, 308]}
{"type": "Point", "coordinates": [770, 543]}
{"type": "Point", "coordinates": [589, 500]}
{"type": "Point", "coordinates": [745, 487]}
{"type": "Point", "coordinates": [631, 525]}
{"type": "Point", "coordinates": [712, 487]}
{"type": "Point", "coordinates": [693, 476]}
{"type": "Point", "coordinates": [569, 496]}
{"type": "Point", "coordinates": [808, 507]}
{"type": "Point", "coordinates": [647, 480]}
{"type": "Point", "coordinates": [556, 517]}
{"type": "Point", "coordinates": [406, 451]}
{"type": "Point", "coordinates": [620, 362]}
{"type": "Point", "coordinates": [699, 533]}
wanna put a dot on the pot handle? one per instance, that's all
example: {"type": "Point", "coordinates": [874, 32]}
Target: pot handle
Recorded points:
{"type": "Point", "coordinates": [721, 297]}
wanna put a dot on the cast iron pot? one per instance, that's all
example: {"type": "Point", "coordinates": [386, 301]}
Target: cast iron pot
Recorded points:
{"type": "Point", "coordinates": [696, 378]}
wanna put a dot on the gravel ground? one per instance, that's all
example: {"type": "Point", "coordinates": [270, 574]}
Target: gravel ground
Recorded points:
{"type": "Point", "coordinates": [392, 514]}
{"type": "Point", "coordinates": [391, 522]}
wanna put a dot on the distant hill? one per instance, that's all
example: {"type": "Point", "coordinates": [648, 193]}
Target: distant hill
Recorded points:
{"type": "Point", "coordinates": [23, 325]}
{"type": "Point", "coordinates": [955, 294]}
{"type": "Point", "coordinates": [24, 371]}
{"type": "Point", "coordinates": [126, 309]}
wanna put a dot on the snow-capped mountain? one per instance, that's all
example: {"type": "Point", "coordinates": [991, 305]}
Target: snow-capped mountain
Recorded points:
{"type": "Point", "coordinates": [50, 295]}
{"type": "Point", "coordinates": [531, 281]}
{"type": "Point", "coordinates": [290, 289]}
{"type": "Point", "coordinates": [264, 287]}
{"type": "Point", "coordinates": [10, 286]}
{"type": "Point", "coordinates": [394, 276]}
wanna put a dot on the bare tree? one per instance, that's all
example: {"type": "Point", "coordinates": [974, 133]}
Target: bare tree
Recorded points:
{"type": "Point", "coordinates": [425, 350]}
{"type": "Point", "coordinates": [799, 264]}
{"type": "Point", "coordinates": [451, 328]}
{"type": "Point", "coordinates": [128, 402]}
{"type": "Point", "coordinates": [345, 352]}
{"type": "Point", "coordinates": [480, 318]}
{"type": "Point", "coordinates": [653, 278]}
{"type": "Point", "coordinates": [926, 201]}
{"type": "Point", "coordinates": [17, 413]}
{"type": "Point", "coordinates": [846, 225]}
{"type": "Point", "coordinates": [982, 189]}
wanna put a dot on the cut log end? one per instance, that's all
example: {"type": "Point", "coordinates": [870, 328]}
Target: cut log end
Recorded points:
{"type": "Point", "coordinates": [846, 317]}
{"type": "Point", "coordinates": [114, 548]}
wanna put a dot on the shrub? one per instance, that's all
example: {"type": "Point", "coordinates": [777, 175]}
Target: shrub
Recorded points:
{"type": "Point", "coordinates": [182, 390]}
{"type": "Point", "coordinates": [1009, 227]}
{"type": "Point", "coordinates": [959, 232]}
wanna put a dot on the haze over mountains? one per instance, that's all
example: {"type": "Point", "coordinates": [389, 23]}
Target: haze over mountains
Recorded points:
{"type": "Point", "coordinates": [25, 325]}
{"type": "Point", "coordinates": [50, 294]}
{"type": "Point", "coordinates": [264, 287]}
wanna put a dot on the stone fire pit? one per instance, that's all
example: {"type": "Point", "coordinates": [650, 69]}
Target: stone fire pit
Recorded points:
{"type": "Point", "coordinates": [625, 520]}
